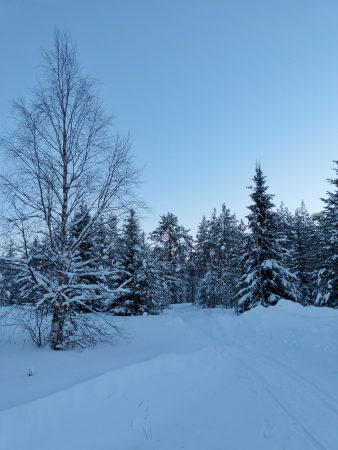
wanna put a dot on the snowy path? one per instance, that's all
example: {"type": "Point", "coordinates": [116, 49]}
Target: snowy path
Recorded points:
{"type": "Point", "coordinates": [189, 379]}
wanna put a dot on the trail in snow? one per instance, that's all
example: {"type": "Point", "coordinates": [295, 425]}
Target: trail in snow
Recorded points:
{"type": "Point", "coordinates": [190, 379]}
{"type": "Point", "coordinates": [275, 378]}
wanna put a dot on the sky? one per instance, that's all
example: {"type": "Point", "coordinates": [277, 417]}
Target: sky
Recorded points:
{"type": "Point", "coordinates": [205, 88]}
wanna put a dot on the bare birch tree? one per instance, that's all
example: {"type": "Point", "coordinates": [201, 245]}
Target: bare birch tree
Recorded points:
{"type": "Point", "coordinates": [63, 154]}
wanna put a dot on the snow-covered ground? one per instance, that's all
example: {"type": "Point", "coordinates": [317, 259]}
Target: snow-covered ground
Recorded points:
{"type": "Point", "coordinates": [188, 379]}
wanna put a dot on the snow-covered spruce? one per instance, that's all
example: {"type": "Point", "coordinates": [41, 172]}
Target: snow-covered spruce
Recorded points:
{"type": "Point", "coordinates": [172, 247]}
{"type": "Point", "coordinates": [217, 259]}
{"type": "Point", "coordinates": [327, 273]}
{"type": "Point", "coordinates": [137, 273]}
{"type": "Point", "coordinates": [265, 280]}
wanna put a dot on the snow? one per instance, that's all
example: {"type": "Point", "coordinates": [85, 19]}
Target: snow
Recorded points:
{"type": "Point", "coordinates": [193, 379]}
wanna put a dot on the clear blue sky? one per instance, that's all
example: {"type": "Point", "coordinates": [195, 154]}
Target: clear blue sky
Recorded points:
{"type": "Point", "coordinates": [205, 88]}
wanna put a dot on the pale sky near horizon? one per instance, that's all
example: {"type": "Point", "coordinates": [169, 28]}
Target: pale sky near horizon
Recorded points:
{"type": "Point", "coordinates": [205, 88]}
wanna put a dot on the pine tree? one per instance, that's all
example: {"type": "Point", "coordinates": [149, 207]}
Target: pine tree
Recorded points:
{"type": "Point", "coordinates": [266, 280]}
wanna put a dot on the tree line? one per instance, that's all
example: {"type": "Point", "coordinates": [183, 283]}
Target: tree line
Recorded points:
{"type": "Point", "coordinates": [74, 252]}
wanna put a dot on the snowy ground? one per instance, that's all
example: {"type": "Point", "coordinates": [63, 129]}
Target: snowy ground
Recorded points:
{"type": "Point", "coordinates": [188, 379]}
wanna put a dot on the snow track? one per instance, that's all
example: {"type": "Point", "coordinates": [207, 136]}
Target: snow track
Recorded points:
{"type": "Point", "coordinates": [290, 410]}
{"type": "Point", "coordinates": [308, 386]}
{"type": "Point", "coordinates": [190, 379]}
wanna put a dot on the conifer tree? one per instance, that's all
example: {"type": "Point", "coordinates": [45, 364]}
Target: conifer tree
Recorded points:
{"type": "Point", "coordinates": [84, 251]}
{"type": "Point", "coordinates": [327, 275]}
{"type": "Point", "coordinates": [8, 276]}
{"type": "Point", "coordinates": [228, 250]}
{"type": "Point", "coordinates": [202, 263]}
{"type": "Point", "coordinates": [208, 292]}
{"type": "Point", "coordinates": [150, 287]}
{"type": "Point", "coordinates": [113, 238]}
{"type": "Point", "coordinates": [130, 301]}
{"type": "Point", "coordinates": [137, 274]}
{"type": "Point", "coordinates": [202, 248]}
{"type": "Point", "coordinates": [208, 287]}
{"type": "Point", "coordinates": [217, 251]}
{"type": "Point", "coordinates": [285, 234]}
{"type": "Point", "coordinates": [172, 248]}
{"type": "Point", "coordinates": [266, 280]}
{"type": "Point", "coordinates": [304, 253]}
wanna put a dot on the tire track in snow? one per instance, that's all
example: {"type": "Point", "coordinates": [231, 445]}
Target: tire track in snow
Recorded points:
{"type": "Point", "coordinates": [320, 394]}
{"type": "Point", "coordinates": [330, 401]}
{"type": "Point", "coordinates": [266, 386]}
{"type": "Point", "coordinates": [308, 391]}
{"type": "Point", "coordinates": [217, 330]}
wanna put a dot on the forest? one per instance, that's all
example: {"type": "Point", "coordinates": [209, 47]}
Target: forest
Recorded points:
{"type": "Point", "coordinates": [74, 254]}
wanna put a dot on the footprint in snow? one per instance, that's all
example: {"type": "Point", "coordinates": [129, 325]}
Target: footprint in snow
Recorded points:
{"type": "Point", "coordinates": [268, 429]}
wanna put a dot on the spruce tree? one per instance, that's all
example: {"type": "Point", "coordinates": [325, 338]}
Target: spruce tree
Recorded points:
{"type": "Point", "coordinates": [172, 246]}
{"type": "Point", "coordinates": [130, 301]}
{"type": "Point", "coordinates": [202, 248]}
{"type": "Point", "coordinates": [149, 280]}
{"type": "Point", "coordinates": [202, 263]}
{"type": "Point", "coordinates": [327, 275]}
{"type": "Point", "coordinates": [304, 253]}
{"type": "Point", "coordinates": [208, 287]}
{"type": "Point", "coordinates": [217, 251]}
{"type": "Point", "coordinates": [208, 292]}
{"type": "Point", "coordinates": [265, 280]}
{"type": "Point", "coordinates": [8, 287]}
{"type": "Point", "coordinates": [137, 278]}
{"type": "Point", "coordinates": [84, 251]}
{"type": "Point", "coordinates": [228, 246]}
{"type": "Point", "coordinates": [285, 234]}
